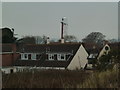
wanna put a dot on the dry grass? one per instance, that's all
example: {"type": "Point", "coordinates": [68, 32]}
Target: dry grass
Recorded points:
{"type": "Point", "coordinates": [105, 79]}
{"type": "Point", "coordinates": [61, 79]}
{"type": "Point", "coordinates": [45, 79]}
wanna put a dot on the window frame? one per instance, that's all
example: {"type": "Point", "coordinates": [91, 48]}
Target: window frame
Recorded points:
{"type": "Point", "coordinates": [33, 56]}
{"type": "Point", "coordinates": [38, 56]}
{"type": "Point", "coordinates": [30, 56]}
{"type": "Point", "coordinates": [59, 57]}
{"type": "Point", "coordinates": [23, 56]}
{"type": "Point", "coordinates": [49, 57]}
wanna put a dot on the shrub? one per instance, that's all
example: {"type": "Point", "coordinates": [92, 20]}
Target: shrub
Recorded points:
{"type": "Point", "coordinates": [104, 79]}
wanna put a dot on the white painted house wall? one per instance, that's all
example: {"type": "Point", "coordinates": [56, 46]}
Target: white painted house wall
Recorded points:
{"type": "Point", "coordinates": [7, 70]}
{"type": "Point", "coordinates": [79, 60]}
{"type": "Point", "coordinates": [103, 51]}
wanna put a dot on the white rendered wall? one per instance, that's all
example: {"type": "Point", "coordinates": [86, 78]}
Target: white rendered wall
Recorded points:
{"type": "Point", "coordinates": [79, 60]}
{"type": "Point", "coordinates": [102, 52]}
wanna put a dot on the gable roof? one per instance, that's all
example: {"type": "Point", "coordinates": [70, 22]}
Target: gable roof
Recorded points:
{"type": "Point", "coordinates": [33, 48]}
{"type": "Point", "coordinates": [115, 46]}
{"type": "Point", "coordinates": [48, 48]}
{"type": "Point", "coordinates": [92, 48]}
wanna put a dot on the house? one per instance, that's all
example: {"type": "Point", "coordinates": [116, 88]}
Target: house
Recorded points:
{"type": "Point", "coordinates": [104, 50]}
{"type": "Point", "coordinates": [58, 55]}
{"type": "Point", "coordinates": [95, 51]}
{"type": "Point", "coordinates": [9, 55]}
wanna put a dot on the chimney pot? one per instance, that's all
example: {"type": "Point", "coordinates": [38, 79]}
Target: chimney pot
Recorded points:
{"type": "Point", "coordinates": [62, 40]}
{"type": "Point", "coordinates": [48, 40]}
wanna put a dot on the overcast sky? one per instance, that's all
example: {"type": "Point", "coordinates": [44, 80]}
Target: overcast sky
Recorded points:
{"type": "Point", "coordinates": [38, 18]}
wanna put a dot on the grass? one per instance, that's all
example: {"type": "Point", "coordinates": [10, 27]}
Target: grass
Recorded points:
{"type": "Point", "coordinates": [45, 79]}
{"type": "Point", "coordinates": [104, 79]}
{"type": "Point", "coordinates": [61, 79]}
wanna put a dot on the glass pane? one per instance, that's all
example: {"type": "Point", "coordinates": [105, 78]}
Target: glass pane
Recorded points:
{"type": "Point", "coordinates": [29, 56]}
{"type": "Point", "coordinates": [25, 56]}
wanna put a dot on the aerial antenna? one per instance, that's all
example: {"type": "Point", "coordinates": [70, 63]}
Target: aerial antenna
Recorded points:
{"type": "Point", "coordinates": [64, 26]}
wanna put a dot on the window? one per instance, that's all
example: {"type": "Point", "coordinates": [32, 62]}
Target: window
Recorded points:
{"type": "Point", "coordinates": [11, 71]}
{"type": "Point", "coordinates": [29, 56]}
{"type": "Point", "coordinates": [24, 56]}
{"type": "Point", "coordinates": [106, 48]}
{"type": "Point", "coordinates": [38, 56]}
{"type": "Point", "coordinates": [21, 56]}
{"type": "Point", "coordinates": [58, 57]}
{"type": "Point", "coordinates": [55, 56]}
{"type": "Point", "coordinates": [92, 56]}
{"type": "Point", "coordinates": [90, 61]}
{"type": "Point", "coordinates": [61, 57]}
{"type": "Point", "coordinates": [33, 56]}
{"type": "Point", "coordinates": [47, 56]}
{"type": "Point", "coordinates": [51, 56]}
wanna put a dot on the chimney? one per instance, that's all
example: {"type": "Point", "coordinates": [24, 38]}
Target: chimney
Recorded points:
{"type": "Point", "coordinates": [62, 40]}
{"type": "Point", "coordinates": [48, 40]}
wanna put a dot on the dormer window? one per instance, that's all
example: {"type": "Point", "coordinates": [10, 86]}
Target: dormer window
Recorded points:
{"type": "Point", "coordinates": [21, 56]}
{"type": "Point", "coordinates": [29, 56]}
{"type": "Point", "coordinates": [24, 56]}
{"type": "Point", "coordinates": [38, 56]}
{"type": "Point", "coordinates": [51, 56]}
{"type": "Point", "coordinates": [92, 56]}
{"type": "Point", "coordinates": [33, 56]}
{"type": "Point", "coordinates": [61, 56]}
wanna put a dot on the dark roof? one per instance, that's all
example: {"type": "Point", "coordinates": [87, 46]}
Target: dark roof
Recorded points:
{"type": "Point", "coordinates": [33, 48]}
{"type": "Point", "coordinates": [92, 48]}
{"type": "Point", "coordinates": [56, 48]}
{"type": "Point", "coordinates": [115, 46]}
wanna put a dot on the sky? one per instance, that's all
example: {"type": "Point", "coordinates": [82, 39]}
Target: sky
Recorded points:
{"type": "Point", "coordinates": [0, 14]}
{"type": "Point", "coordinates": [43, 18]}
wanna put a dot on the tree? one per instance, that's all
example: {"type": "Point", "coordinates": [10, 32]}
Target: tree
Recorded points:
{"type": "Point", "coordinates": [70, 38]}
{"type": "Point", "coordinates": [109, 60]}
{"type": "Point", "coordinates": [33, 40]}
{"type": "Point", "coordinates": [113, 40]}
{"type": "Point", "coordinates": [8, 35]}
{"type": "Point", "coordinates": [94, 37]}
{"type": "Point", "coordinates": [41, 39]}
{"type": "Point", "coordinates": [27, 40]}
{"type": "Point", "coordinates": [44, 39]}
